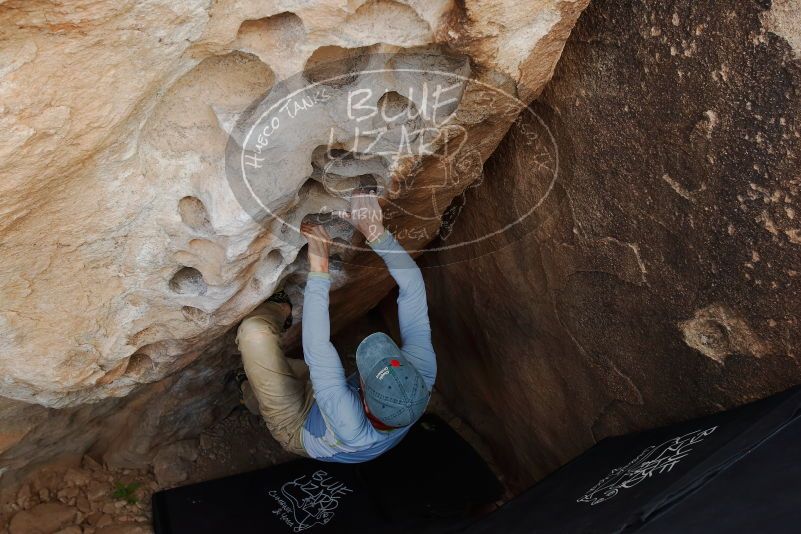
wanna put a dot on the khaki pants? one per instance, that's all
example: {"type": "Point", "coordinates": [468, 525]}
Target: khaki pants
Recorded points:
{"type": "Point", "coordinates": [281, 385]}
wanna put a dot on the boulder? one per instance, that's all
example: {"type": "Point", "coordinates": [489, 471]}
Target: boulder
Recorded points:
{"type": "Point", "coordinates": [650, 269]}
{"type": "Point", "coordinates": [128, 255]}
{"type": "Point", "coordinates": [173, 463]}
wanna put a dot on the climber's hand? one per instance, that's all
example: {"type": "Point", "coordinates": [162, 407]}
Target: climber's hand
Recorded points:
{"type": "Point", "coordinates": [319, 246]}
{"type": "Point", "coordinates": [365, 215]}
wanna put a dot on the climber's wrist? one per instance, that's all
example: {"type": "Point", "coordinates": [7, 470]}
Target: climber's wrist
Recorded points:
{"type": "Point", "coordinates": [318, 264]}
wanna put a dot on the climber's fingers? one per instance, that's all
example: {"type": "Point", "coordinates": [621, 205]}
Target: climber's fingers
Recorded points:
{"type": "Point", "coordinates": [311, 231]}
{"type": "Point", "coordinates": [323, 234]}
{"type": "Point", "coordinates": [315, 232]}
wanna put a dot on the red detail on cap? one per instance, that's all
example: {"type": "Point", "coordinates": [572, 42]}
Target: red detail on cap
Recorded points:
{"type": "Point", "coordinates": [394, 363]}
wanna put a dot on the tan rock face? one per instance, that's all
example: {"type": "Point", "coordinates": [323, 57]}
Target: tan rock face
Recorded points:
{"type": "Point", "coordinates": [658, 279]}
{"type": "Point", "coordinates": [125, 252]}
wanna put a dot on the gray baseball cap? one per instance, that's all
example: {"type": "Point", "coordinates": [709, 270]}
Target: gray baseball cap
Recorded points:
{"type": "Point", "coordinates": [393, 389]}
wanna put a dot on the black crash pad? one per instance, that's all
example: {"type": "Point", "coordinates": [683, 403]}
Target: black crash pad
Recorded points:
{"type": "Point", "coordinates": [429, 482]}
{"type": "Point", "coordinates": [735, 471]}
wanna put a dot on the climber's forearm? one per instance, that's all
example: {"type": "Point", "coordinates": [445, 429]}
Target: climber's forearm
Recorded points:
{"type": "Point", "coordinates": [316, 326]}
{"type": "Point", "coordinates": [340, 406]}
{"type": "Point", "coordinates": [415, 328]}
{"type": "Point", "coordinates": [318, 264]}
{"type": "Point", "coordinates": [401, 266]}
{"type": "Point", "coordinates": [374, 232]}
{"type": "Point", "coordinates": [324, 364]}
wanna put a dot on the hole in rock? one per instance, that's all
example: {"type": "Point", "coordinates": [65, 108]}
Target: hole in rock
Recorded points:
{"type": "Point", "coordinates": [395, 108]}
{"type": "Point", "coordinates": [432, 59]}
{"type": "Point", "coordinates": [113, 374]}
{"type": "Point", "coordinates": [395, 22]}
{"type": "Point", "coordinates": [400, 117]}
{"type": "Point", "coordinates": [336, 66]}
{"type": "Point", "coordinates": [199, 109]}
{"type": "Point", "coordinates": [347, 186]}
{"type": "Point", "coordinates": [342, 172]}
{"type": "Point", "coordinates": [274, 259]}
{"type": "Point", "coordinates": [140, 365]}
{"type": "Point", "coordinates": [196, 315]}
{"type": "Point", "coordinates": [279, 31]}
{"type": "Point", "coordinates": [188, 281]}
{"type": "Point", "coordinates": [323, 156]}
{"type": "Point", "coordinates": [268, 269]}
{"type": "Point", "coordinates": [336, 226]}
{"type": "Point", "coordinates": [318, 218]}
{"type": "Point", "coordinates": [369, 183]}
{"type": "Point", "coordinates": [311, 193]}
{"type": "Point", "coordinates": [327, 160]}
{"type": "Point", "coordinates": [194, 214]}
{"type": "Point", "coordinates": [313, 198]}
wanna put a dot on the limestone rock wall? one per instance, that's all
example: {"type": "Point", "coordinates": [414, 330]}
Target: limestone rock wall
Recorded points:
{"type": "Point", "coordinates": [125, 257]}
{"type": "Point", "coordinates": [659, 278]}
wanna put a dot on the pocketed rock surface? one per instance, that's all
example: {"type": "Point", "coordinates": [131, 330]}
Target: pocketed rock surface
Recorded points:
{"type": "Point", "coordinates": [125, 257]}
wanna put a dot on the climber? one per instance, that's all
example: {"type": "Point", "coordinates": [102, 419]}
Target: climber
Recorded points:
{"type": "Point", "coordinates": [311, 408]}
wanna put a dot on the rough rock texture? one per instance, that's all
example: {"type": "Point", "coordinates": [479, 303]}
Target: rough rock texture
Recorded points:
{"type": "Point", "coordinates": [124, 431]}
{"type": "Point", "coordinates": [48, 517]}
{"type": "Point", "coordinates": [172, 464]}
{"type": "Point", "coordinates": [659, 278]}
{"type": "Point", "coordinates": [82, 498]}
{"type": "Point", "coordinates": [125, 256]}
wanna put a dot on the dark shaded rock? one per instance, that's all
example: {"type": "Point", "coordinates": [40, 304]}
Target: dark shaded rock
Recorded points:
{"type": "Point", "coordinates": [658, 279]}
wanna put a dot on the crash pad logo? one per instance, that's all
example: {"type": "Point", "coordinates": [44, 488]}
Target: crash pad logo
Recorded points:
{"type": "Point", "coordinates": [653, 460]}
{"type": "Point", "coordinates": [308, 500]}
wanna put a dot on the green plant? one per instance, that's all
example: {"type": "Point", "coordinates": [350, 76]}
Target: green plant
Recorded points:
{"type": "Point", "coordinates": [126, 492]}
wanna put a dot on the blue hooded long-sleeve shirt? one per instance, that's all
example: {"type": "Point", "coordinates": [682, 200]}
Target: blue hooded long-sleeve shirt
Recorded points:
{"type": "Point", "coordinates": [337, 428]}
